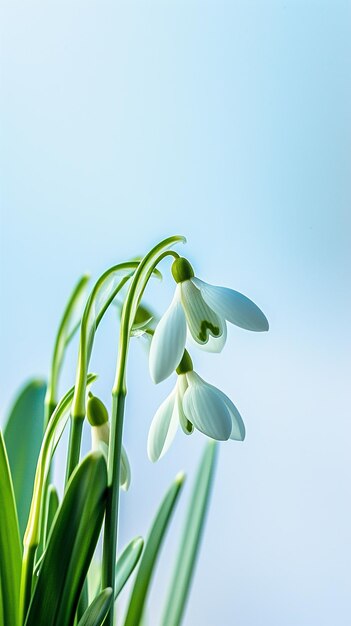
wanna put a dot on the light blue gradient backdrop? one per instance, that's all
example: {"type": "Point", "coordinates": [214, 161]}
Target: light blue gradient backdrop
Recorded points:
{"type": "Point", "coordinates": [122, 123]}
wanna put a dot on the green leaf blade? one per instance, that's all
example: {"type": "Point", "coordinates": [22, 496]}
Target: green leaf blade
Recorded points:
{"type": "Point", "coordinates": [191, 538]}
{"type": "Point", "coordinates": [151, 552]}
{"type": "Point", "coordinates": [97, 611]}
{"type": "Point", "coordinates": [23, 435]}
{"type": "Point", "coordinates": [71, 546]}
{"type": "Point", "coordinates": [127, 562]}
{"type": "Point", "coordinates": [10, 546]}
{"type": "Point", "coordinates": [52, 505]}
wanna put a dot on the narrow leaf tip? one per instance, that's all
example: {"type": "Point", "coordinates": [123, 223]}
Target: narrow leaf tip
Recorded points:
{"type": "Point", "coordinates": [180, 478]}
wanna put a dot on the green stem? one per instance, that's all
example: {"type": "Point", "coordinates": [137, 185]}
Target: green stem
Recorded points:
{"type": "Point", "coordinates": [112, 503]}
{"type": "Point", "coordinates": [63, 337]}
{"type": "Point", "coordinates": [75, 438]}
{"type": "Point", "coordinates": [78, 408]}
{"type": "Point", "coordinates": [49, 408]}
{"type": "Point", "coordinates": [26, 579]}
{"type": "Point", "coordinates": [119, 392]}
{"type": "Point", "coordinates": [114, 467]}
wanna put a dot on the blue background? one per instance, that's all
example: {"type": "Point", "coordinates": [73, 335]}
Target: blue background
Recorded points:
{"type": "Point", "coordinates": [229, 122]}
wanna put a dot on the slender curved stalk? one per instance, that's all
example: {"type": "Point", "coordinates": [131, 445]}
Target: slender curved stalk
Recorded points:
{"type": "Point", "coordinates": [64, 335]}
{"type": "Point", "coordinates": [119, 392]}
{"type": "Point", "coordinates": [89, 324]}
{"type": "Point", "coordinates": [75, 438]}
{"type": "Point", "coordinates": [66, 331]}
{"type": "Point", "coordinates": [112, 502]}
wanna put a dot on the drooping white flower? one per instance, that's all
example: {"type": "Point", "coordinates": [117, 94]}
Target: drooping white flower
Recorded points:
{"type": "Point", "coordinates": [100, 435]}
{"type": "Point", "coordinates": [193, 403]}
{"type": "Point", "coordinates": [203, 310]}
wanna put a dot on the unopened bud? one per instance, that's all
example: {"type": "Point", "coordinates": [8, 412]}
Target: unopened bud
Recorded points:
{"type": "Point", "coordinates": [182, 270]}
{"type": "Point", "coordinates": [97, 413]}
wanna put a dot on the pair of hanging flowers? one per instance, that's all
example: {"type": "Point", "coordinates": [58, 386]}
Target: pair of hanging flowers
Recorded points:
{"type": "Point", "coordinates": [201, 311]}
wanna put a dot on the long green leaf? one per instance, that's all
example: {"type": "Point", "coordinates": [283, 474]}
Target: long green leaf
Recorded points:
{"type": "Point", "coordinates": [190, 541]}
{"type": "Point", "coordinates": [94, 579]}
{"type": "Point", "coordinates": [23, 434]}
{"type": "Point", "coordinates": [150, 554]}
{"type": "Point", "coordinates": [97, 611]}
{"type": "Point", "coordinates": [126, 563]}
{"type": "Point", "coordinates": [1, 608]}
{"type": "Point", "coordinates": [33, 534]}
{"type": "Point", "coordinates": [71, 546]}
{"type": "Point", "coordinates": [52, 435]}
{"type": "Point", "coordinates": [10, 546]}
{"type": "Point", "coordinates": [52, 505]}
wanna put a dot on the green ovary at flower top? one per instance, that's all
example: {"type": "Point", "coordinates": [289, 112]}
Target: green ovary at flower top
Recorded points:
{"type": "Point", "coordinates": [193, 403]}
{"type": "Point", "coordinates": [97, 415]}
{"type": "Point", "coordinates": [203, 310]}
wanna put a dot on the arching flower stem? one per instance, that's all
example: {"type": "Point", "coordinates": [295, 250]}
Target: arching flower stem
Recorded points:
{"type": "Point", "coordinates": [88, 328]}
{"type": "Point", "coordinates": [136, 289]}
{"type": "Point", "coordinates": [64, 334]}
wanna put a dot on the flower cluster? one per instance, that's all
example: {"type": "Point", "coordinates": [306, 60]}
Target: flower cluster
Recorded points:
{"type": "Point", "coordinates": [201, 311]}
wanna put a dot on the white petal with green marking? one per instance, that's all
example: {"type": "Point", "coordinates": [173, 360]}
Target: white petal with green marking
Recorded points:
{"type": "Point", "coordinates": [214, 344]}
{"type": "Point", "coordinates": [202, 321]}
{"type": "Point", "coordinates": [182, 385]}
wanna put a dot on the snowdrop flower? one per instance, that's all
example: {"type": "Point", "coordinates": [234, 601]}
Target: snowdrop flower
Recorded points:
{"type": "Point", "coordinates": [203, 310]}
{"type": "Point", "coordinates": [193, 403]}
{"type": "Point", "coordinates": [97, 415]}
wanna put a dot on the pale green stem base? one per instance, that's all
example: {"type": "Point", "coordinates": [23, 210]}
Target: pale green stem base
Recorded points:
{"type": "Point", "coordinates": [26, 579]}
{"type": "Point", "coordinates": [112, 505]}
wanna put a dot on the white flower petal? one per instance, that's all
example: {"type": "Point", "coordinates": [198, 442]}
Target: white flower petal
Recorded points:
{"type": "Point", "coordinates": [206, 409]}
{"type": "Point", "coordinates": [163, 428]}
{"type": "Point", "coordinates": [168, 342]}
{"type": "Point", "coordinates": [238, 426]}
{"type": "Point", "coordinates": [202, 321]}
{"type": "Point", "coordinates": [233, 306]}
{"type": "Point", "coordinates": [101, 446]}
{"type": "Point", "coordinates": [100, 435]}
{"type": "Point", "coordinates": [125, 476]}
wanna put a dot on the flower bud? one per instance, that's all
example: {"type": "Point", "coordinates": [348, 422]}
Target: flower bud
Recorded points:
{"type": "Point", "coordinates": [142, 321]}
{"type": "Point", "coordinates": [100, 436]}
{"type": "Point", "coordinates": [143, 316]}
{"type": "Point", "coordinates": [182, 270]}
{"type": "Point", "coordinates": [97, 413]}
